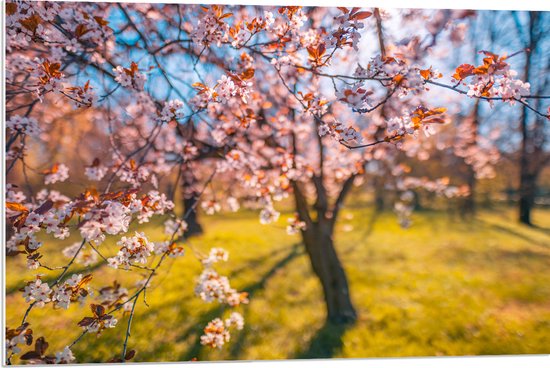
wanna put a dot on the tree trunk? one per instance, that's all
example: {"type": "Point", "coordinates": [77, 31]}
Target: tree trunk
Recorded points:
{"type": "Point", "coordinates": [526, 179]}
{"type": "Point", "coordinates": [193, 225]}
{"type": "Point", "coordinates": [468, 203]}
{"type": "Point", "coordinates": [526, 196]}
{"type": "Point", "coordinates": [326, 265]}
{"type": "Point", "coordinates": [528, 154]}
{"type": "Point", "coordinates": [379, 194]}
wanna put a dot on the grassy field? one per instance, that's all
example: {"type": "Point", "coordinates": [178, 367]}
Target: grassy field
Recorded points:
{"type": "Point", "coordinates": [443, 287]}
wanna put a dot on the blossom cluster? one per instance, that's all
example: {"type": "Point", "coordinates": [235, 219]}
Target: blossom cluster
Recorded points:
{"type": "Point", "coordinates": [135, 249]}
{"type": "Point", "coordinates": [96, 171]}
{"type": "Point", "coordinates": [65, 356]}
{"type": "Point", "coordinates": [133, 174]}
{"type": "Point", "coordinates": [109, 214]}
{"type": "Point", "coordinates": [23, 124]}
{"type": "Point", "coordinates": [232, 85]}
{"type": "Point", "coordinates": [172, 110]}
{"type": "Point", "coordinates": [340, 132]}
{"type": "Point", "coordinates": [420, 118]}
{"type": "Point", "coordinates": [81, 96]}
{"type": "Point", "coordinates": [172, 249]}
{"type": "Point", "coordinates": [130, 77]}
{"type": "Point", "coordinates": [47, 76]}
{"type": "Point", "coordinates": [217, 332]}
{"type": "Point", "coordinates": [28, 223]}
{"type": "Point", "coordinates": [348, 28]}
{"type": "Point", "coordinates": [356, 96]}
{"type": "Point", "coordinates": [268, 214]}
{"type": "Point", "coordinates": [216, 255]}
{"type": "Point", "coordinates": [72, 290]}
{"type": "Point", "coordinates": [111, 218]}
{"type": "Point", "coordinates": [175, 227]}
{"type": "Point", "coordinates": [100, 320]}
{"type": "Point", "coordinates": [21, 335]}
{"type": "Point", "coordinates": [210, 27]}
{"type": "Point", "coordinates": [211, 206]}
{"type": "Point", "coordinates": [58, 173]}
{"type": "Point", "coordinates": [295, 225]}
{"type": "Point", "coordinates": [493, 78]}
{"type": "Point", "coordinates": [285, 60]}
{"type": "Point", "coordinates": [37, 292]}
{"type": "Point", "coordinates": [211, 286]}
{"type": "Point", "coordinates": [296, 19]}
{"type": "Point", "coordinates": [395, 72]}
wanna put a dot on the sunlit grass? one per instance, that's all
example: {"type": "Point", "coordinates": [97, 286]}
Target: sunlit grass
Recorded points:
{"type": "Point", "coordinates": [443, 287]}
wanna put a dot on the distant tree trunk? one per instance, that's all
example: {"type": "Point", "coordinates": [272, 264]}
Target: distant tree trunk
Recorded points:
{"type": "Point", "coordinates": [379, 194]}
{"type": "Point", "coordinates": [527, 166]}
{"type": "Point", "coordinates": [326, 265]}
{"type": "Point", "coordinates": [193, 225]}
{"type": "Point", "coordinates": [190, 195]}
{"type": "Point", "coordinates": [527, 181]}
{"type": "Point", "coordinates": [469, 203]}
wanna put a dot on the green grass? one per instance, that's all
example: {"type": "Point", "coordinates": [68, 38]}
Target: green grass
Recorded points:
{"type": "Point", "coordinates": [443, 287]}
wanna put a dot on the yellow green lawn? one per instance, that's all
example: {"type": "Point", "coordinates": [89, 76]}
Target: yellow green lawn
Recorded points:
{"type": "Point", "coordinates": [443, 287]}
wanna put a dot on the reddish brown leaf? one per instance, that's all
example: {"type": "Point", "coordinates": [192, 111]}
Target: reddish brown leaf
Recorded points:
{"type": "Point", "coordinates": [45, 207]}
{"type": "Point", "coordinates": [362, 15]}
{"type": "Point", "coordinates": [463, 71]}
{"type": "Point", "coordinates": [80, 30]}
{"type": "Point", "coordinates": [11, 8]}
{"type": "Point", "coordinates": [97, 310]}
{"type": "Point", "coordinates": [16, 207]}
{"type": "Point", "coordinates": [41, 345]}
{"type": "Point", "coordinates": [31, 23]}
{"type": "Point", "coordinates": [30, 355]}
{"type": "Point", "coordinates": [102, 22]}
{"type": "Point", "coordinates": [130, 354]}
{"type": "Point", "coordinates": [86, 321]}
{"type": "Point", "coordinates": [247, 74]}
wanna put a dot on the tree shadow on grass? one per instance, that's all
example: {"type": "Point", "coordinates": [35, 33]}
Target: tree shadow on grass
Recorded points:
{"type": "Point", "coordinates": [251, 289]}
{"type": "Point", "coordinates": [542, 229]}
{"type": "Point", "coordinates": [257, 262]}
{"type": "Point", "coordinates": [515, 233]}
{"type": "Point", "coordinates": [326, 342]}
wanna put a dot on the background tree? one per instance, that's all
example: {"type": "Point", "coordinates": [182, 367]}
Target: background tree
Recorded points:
{"type": "Point", "coordinates": [533, 157]}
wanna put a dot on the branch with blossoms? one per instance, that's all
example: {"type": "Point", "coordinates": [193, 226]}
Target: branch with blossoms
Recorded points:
{"type": "Point", "coordinates": [134, 249]}
{"type": "Point", "coordinates": [401, 79]}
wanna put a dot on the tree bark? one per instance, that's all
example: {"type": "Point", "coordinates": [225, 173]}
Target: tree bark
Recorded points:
{"type": "Point", "coordinates": [193, 225]}
{"type": "Point", "coordinates": [527, 179]}
{"type": "Point", "coordinates": [379, 202]}
{"type": "Point", "coordinates": [527, 193]}
{"type": "Point", "coordinates": [318, 241]}
{"type": "Point", "coordinates": [328, 268]}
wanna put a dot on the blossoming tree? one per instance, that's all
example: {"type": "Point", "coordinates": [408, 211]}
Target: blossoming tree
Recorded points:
{"type": "Point", "coordinates": [268, 102]}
